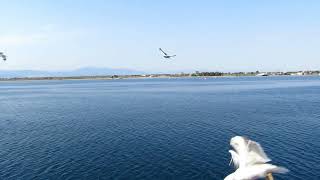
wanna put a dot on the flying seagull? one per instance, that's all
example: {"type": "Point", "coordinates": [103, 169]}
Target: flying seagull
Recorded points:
{"type": "Point", "coordinates": [250, 161]}
{"type": "Point", "coordinates": [4, 57]}
{"type": "Point", "coordinates": [166, 55]}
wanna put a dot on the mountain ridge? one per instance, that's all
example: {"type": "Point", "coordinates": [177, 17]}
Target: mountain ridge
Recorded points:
{"type": "Point", "coordinates": [85, 71]}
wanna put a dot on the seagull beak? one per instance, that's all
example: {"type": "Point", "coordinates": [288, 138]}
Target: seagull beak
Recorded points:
{"type": "Point", "coordinates": [230, 162]}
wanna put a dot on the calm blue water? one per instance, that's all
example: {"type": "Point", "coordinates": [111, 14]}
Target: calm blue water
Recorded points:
{"type": "Point", "coordinates": [156, 128]}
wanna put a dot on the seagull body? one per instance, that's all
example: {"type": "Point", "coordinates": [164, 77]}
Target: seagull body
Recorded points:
{"type": "Point", "coordinates": [4, 57]}
{"type": "Point", "coordinates": [250, 160]}
{"type": "Point", "coordinates": [166, 55]}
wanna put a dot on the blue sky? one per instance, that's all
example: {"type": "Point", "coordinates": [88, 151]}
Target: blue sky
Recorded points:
{"type": "Point", "coordinates": [229, 35]}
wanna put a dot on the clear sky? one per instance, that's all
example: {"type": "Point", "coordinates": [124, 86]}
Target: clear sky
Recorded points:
{"type": "Point", "coordinates": [225, 35]}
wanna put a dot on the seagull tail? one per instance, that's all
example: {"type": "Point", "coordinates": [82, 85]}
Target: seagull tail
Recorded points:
{"type": "Point", "coordinates": [280, 170]}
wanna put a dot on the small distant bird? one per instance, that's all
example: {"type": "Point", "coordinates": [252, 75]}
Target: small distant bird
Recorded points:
{"type": "Point", "coordinates": [166, 55]}
{"type": "Point", "coordinates": [4, 57]}
{"type": "Point", "coordinates": [250, 160]}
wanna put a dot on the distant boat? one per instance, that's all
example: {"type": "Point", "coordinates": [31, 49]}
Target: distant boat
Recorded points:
{"type": "Point", "coordinates": [298, 74]}
{"type": "Point", "coordinates": [262, 74]}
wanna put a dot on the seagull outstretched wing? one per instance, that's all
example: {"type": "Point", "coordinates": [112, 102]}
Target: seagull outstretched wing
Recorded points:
{"type": "Point", "coordinates": [256, 153]}
{"type": "Point", "coordinates": [163, 52]}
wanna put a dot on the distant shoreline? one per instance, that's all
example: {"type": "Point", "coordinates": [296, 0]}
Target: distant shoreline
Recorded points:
{"type": "Point", "coordinates": [116, 77]}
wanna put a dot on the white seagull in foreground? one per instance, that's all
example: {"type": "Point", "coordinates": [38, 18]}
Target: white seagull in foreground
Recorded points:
{"type": "Point", "coordinates": [166, 55]}
{"type": "Point", "coordinates": [250, 160]}
{"type": "Point", "coordinates": [4, 57]}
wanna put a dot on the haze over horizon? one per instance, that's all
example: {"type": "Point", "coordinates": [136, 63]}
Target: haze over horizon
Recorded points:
{"type": "Point", "coordinates": [207, 35]}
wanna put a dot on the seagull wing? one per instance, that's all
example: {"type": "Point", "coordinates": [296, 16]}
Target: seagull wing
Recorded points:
{"type": "Point", "coordinates": [163, 52]}
{"type": "Point", "coordinates": [256, 153]}
{"type": "Point", "coordinates": [234, 158]}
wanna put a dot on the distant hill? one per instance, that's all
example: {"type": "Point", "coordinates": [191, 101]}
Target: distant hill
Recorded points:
{"type": "Point", "coordinates": [87, 71]}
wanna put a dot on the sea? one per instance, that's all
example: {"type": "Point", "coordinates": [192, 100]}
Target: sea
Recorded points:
{"type": "Point", "coordinates": [165, 128]}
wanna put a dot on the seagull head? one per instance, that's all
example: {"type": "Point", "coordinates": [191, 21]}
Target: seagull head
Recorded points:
{"type": "Point", "coordinates": [239, 143]}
